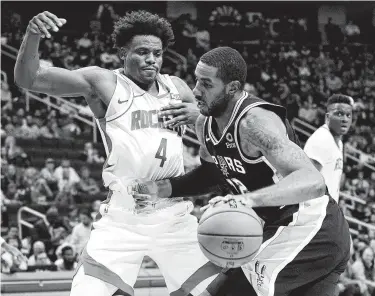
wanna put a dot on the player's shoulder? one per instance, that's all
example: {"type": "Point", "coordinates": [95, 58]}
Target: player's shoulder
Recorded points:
{"type": "Point", "coordinates": [258, 117]}
{"type": "Point", "coordinates": [320, 134]}
{"type": "Point", "coordinates": [96, 74]}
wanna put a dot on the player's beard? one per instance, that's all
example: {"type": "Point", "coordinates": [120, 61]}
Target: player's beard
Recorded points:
{"type": "Point", "coordinates": [218, 106]}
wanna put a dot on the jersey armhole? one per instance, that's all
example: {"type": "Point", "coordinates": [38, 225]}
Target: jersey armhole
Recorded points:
{"type": "Point", "coordinates": [119, 104]}
{"type": "Point", "coordinates": [236, 134]}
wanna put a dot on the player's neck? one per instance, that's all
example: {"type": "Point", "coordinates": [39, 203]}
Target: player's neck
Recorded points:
{"type": "Point", "coordinates": [223, 119]}
{"type": "Point", "coordinates": [149, 87]}
{"type": "Point", "coordinates": [335, 136]}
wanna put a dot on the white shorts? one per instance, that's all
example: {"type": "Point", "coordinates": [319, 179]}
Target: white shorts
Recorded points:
{"type": "Point", "coordinates": [120, 239]}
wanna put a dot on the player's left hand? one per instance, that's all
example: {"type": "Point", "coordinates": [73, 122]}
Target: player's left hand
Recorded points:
{"type": "Point", "coordinates": [219, 200]}
{"type": "Point", "coordinates": [183, 114]}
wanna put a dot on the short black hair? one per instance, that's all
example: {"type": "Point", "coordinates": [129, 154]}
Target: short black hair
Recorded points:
{"type": "Point", "coordinates": [340, 99]}
{"type": "Point", "coordinates": [142, 22]}
{"type": "Point", "coordinates": [66, 248]}
{"type": "Point", "coordinates": [231, 65]}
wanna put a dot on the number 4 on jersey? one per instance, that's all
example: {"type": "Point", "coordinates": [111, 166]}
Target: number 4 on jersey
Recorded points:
{"type": "Point", "coordinates": [162, 152]}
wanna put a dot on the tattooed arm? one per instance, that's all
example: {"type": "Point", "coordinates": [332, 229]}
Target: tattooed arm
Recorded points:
{"type": "Point", "coordinates": [262, 131]}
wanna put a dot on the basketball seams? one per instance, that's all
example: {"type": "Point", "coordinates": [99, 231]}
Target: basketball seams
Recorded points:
{"type": "Point", "coordinates": [234, 211]}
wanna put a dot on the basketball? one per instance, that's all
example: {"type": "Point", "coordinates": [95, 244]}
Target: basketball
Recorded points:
{"type": "Point", "coordinates": [230, 234]}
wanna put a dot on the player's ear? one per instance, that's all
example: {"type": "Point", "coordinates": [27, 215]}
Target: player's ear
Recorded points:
{"type": "Point", "coordinates": [327, 117]}
{"type": "Point", "coordinates": [123, 52]}
{"type": "Point", "coordinates": [233, 87]}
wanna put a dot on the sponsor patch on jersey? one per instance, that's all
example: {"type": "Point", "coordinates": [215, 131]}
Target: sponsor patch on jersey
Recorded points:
{"type": "Point", "coordinates": [230, 145]}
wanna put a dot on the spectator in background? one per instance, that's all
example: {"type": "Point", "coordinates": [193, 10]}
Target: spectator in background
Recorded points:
{"type": "Point", "coordinates": [352, 32]}
{"type": "Point", "coordinates": [90, 154]}
{"type": "Point", "coordinates": [348, 286]}
{"type": "Point", "coordinates": [361, 185]}
{"type": "Point", "coordinates": [363, 268]}
{"type": "Point", "coordinates": [66, 175]}
{"type": "Point", "coordinates": [64, 200]}
{"type": "Point", "coordinates": [29, 129]}
{"type": "Point", "coordinates": [334, 83]}
{"type": "Point", "coordinates": [84, 42]}
{"type": "Point", "coordinates": [87, 185]}
{"type": "Point", "coordinates": [39, 256]}
{"type": "Point", "coordinates": [81, 232]}
{"type": "Point", "coordinates": [15, 154]}
{"type": "Point", "coordinates": [51, 130]}
{"type": "Point", "coordinates": [95, 206]}
{"type": "Point", "coordinates": [70, 129]}
{"type": "Point", "coordinates": [47, 173]}
{"type": "Point", "coordinates": [51, 234]}
{"type": "Point", "coordinates": [36, 188]}
{"type": "Point", "coordinates": [13, 239]}
{"type": "Point", "coordinates": [6, 95]}
{"type": "Point", "coordinates": [10, 174]}
{"type": "Point", "coordinates": [306, 112]}
{"type": "Point", "coordinates": [202, 37]}
{"type": "Point", "coordinates": [68, 261]}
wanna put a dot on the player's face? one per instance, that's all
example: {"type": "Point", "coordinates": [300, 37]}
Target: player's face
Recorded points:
{"type": "Point", "coordinates": [210, 91]}
{"type": "Point", "coordinates": [339, 118]}
{"type": "Point", "coordinates": [143, 58]}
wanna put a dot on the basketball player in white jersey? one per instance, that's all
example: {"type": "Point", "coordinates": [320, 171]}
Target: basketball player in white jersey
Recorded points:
{"type": "Point", "coordinates": [139, 145]}
{"type": "Point", "coordinates": [325, 148]}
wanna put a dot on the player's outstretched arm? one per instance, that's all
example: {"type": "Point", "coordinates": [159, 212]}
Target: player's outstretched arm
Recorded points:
{"type": "Point", "coordinates": [29, 74]}
{"type": "Point", "coordinates": [301, 181]}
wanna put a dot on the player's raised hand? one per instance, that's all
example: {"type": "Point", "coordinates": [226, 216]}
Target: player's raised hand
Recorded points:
{"type": "Point", "coordinates": [44, 22]}
{"type": "Point", "coordinates": [182, 113]}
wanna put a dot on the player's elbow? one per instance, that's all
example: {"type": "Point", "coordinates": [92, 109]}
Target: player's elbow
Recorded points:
{"type": "Point", "coordinates": [24, 79]}
{"type": "Point", "coordinates": [317, 184]}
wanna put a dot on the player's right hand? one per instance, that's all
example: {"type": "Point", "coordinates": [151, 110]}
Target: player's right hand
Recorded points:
{"type": "Point", "coordinates": [43, 22]}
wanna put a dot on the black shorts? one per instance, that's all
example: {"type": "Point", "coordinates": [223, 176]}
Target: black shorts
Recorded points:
{"type": "Point", "coordinates": [304, 258]}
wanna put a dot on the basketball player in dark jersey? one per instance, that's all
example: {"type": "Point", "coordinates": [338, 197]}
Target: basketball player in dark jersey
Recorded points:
{"type": "Point", "coordinates": [306, 237]}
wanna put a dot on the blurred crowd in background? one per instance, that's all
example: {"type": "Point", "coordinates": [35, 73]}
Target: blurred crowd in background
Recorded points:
{"type": "Point", "coordinates": [66, 184]}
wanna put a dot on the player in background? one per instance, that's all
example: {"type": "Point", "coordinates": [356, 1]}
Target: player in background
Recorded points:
{"type": "Point", "coordinates": [139, 145]}
{"type": "Point", "coordinates": [306, 238]}
{"type": "Point", "coordinates": [325, 147]}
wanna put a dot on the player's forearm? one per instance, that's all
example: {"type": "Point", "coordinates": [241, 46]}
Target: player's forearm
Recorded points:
{"type": "Point", "coordinates": [202, 179]}
{"type": "Point", "coordinates": [27, 64]}
{"type": "Point", "coordinates": [299, 186]}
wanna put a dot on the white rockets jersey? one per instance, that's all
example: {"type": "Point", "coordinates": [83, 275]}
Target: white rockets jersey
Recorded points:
{"type": "Point", "coordinates": [321, 146]}
{"type": "Point", "coordinates": [137, 143]}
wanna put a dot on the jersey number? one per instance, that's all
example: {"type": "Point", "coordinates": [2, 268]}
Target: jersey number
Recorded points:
{"type": "Point", "coordinates": [237, 185]}
{"type": "Point", "coordinates": [162, 152]}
